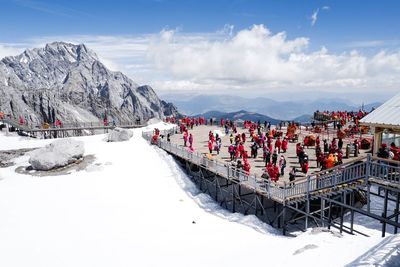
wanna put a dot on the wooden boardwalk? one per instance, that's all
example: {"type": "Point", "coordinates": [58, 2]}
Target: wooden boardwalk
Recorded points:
{"type": "Point", "coordinates": [70, 129]}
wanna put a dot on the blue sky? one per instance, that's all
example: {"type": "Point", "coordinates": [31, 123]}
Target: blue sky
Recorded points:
{"type": "Point", "coordinates": [338, 24]}
{"type": "Point", "coordinates": [341, 27]}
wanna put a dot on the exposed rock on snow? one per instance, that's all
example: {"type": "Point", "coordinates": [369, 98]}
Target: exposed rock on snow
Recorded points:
{"type": "Point", "coordinates": [57, 154]}
{"type": "Point", "coordinates": [68, 82]}
{"type": "Point", "coordinates": [119, 135]}
{"type": "Point", "coordinates": [84, 163]}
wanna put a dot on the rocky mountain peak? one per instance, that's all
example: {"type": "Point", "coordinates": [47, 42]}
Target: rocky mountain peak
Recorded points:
{"type": "Point", "coordinates": [67, 81]}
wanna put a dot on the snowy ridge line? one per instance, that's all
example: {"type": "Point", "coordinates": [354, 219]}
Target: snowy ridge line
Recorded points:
{"type": "Point", "coordinates": [336, 179]}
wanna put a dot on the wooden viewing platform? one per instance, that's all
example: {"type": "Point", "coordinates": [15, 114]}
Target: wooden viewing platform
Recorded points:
{"type": "Point", "coordinates": [334, 190]}
{"type": "Point", "coordinates": [200, 137]}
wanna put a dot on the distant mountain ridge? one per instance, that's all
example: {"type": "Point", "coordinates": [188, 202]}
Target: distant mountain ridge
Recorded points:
{"type": "Point", "coordinates": [238, 115]}
{"type": "Point", "coordinates": [68, 82]}
{"type": "Point", "coordinates": [284, 110]}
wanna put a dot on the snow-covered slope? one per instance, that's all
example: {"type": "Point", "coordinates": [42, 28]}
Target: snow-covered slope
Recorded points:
{"type": "Point", "coordinates": [68, 82]}
{"type": "Point", "coordinates": [135, 207]}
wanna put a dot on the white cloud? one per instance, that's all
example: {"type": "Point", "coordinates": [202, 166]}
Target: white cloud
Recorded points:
{"type": "Point", "coordinates": [326, 8]}
{"type": "Point", "coordinates": [251, 61]}
{"type": "Point", "coordinates": [256, 59]}
{"type": "Point", "coordinates": [314, 17]}
{"type": "Point", "coordinates": [11, 49]}
{"type": "Point", "coordinates": [366, 44]}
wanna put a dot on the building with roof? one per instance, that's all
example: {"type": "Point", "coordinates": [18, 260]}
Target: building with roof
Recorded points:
{"type": "Point", "coordinates": [385, 123]}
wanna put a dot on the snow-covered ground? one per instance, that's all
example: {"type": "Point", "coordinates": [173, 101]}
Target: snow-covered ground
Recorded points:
{"type": "Point", "coordinates": [135, 207]}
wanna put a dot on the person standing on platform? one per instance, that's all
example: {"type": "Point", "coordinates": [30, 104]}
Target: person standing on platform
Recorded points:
{"type": "Point", "coordinates": [278, 144]}
{"type": "Point", "coordinates": [267, 156]}
{"type": "Point", "coordinates": [340, 143]}
{"type": "Point", "coordinates": [210, 146]}
{"type": "Point", "coordinates": [231, 150]}
{"type": "Point", "coordinates": [284, 145]}
{"type": "Point", "coordinates": [246, 167]}
{"type": "Point", "coordinates": [326, 148]}
{"type": "Point", "coordinates": [190, 140]}
{"type": "Point", "coordinates": [292, 176]}
{"type": "Point", "coordinates": [274, 158]}
{"type": "Point", "coordinates": [282, 164]}
{"type": "Point", "coordinates": [185, 139]}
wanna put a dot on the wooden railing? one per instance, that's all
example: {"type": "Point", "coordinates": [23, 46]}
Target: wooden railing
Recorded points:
{"type": "Point", "coordinates": [71, 126]}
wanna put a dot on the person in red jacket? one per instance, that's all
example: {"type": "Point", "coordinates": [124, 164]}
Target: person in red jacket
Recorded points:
{"type": "Point", "coordinates": [185, 138]}
{"type": "Point", "coordinates": [241, 149]}
{"type": "Point", "coordinates": [246, 167]}
{"type": "Point", "coordinates": [210, 146]}
{"type": "Point", "coordinates": [278, 145]}
{"type": "Point", "coordinates": [276, 173]}
{"type": "Point", "coordinates": [190, 140]}
{"type": "Point", "coordinates": [269, 169]}
{"type": "Point", "coordinates": [284, 145]}
{"type": "Point", "coordinates": [245, 155]}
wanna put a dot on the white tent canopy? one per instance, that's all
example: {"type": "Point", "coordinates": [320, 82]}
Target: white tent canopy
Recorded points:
{"type": "Point", "coordinates": [386, 115]}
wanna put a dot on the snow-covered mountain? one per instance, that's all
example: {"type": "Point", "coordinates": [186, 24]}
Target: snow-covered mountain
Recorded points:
{"type": "Point", "coordinates": [68, 82]}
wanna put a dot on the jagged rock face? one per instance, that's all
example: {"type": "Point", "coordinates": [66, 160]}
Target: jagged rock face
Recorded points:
{"type": "Point", "coordinates": [68, 82]}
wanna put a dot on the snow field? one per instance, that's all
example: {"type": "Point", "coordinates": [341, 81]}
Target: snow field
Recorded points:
{"type": "Point", "coordinates": [136, 207]}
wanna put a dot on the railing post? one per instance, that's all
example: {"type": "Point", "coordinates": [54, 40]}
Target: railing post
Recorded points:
{"type": "Point", "coordinates": [368, 168]}
{"type": "Point", "coordinates": [284, 192]}
{"type": "Point", "coordinates": [367, 174]}
{"type": "Point", "coordinates": [308, 202]}
{"type": "Point", "coordinates": [335, 178]}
